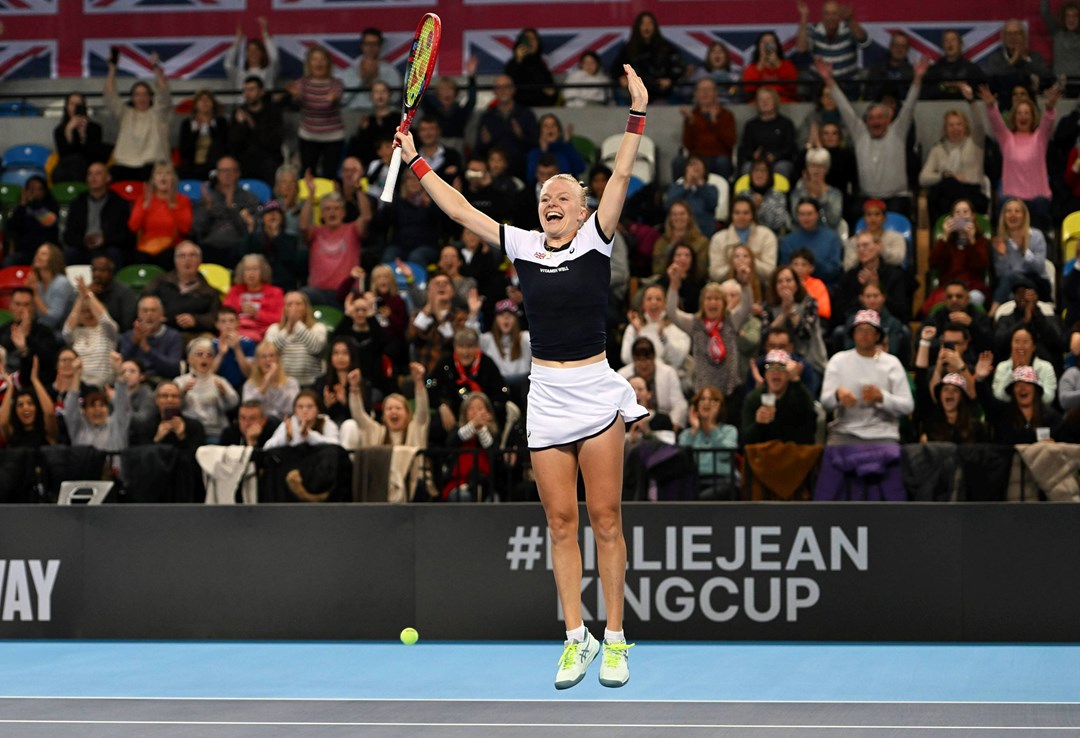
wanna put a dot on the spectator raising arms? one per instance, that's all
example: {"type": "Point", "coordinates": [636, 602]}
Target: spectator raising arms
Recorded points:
{"type": "Point", "coordinates": [27, 416]}
{"type": "Point", "coordinates": [318, 93]}
{"type": "Point", "coordinates": [142, 136]}
{"type": "Point", "coordinates": [334, 247]}
{"type": "Point", "coordinates": [1023, 145]}
{"type": "Point", "coordinates": [93, 334]}
{"type": "Point", "coordinates": [259, 58]}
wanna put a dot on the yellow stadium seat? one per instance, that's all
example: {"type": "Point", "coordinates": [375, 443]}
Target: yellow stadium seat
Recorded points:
{"type": "Point", "coordinates": [323, 187]}
{"type": "Point", "coordinates": [217, 277]}
{"type": "Point", "coordinates": [1070, 233]}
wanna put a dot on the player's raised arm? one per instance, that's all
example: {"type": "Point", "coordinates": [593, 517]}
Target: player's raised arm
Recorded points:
{"type": "Point", "coordinates": [611, 205]}
{"type": "Point", "coordinates": [449, 200]}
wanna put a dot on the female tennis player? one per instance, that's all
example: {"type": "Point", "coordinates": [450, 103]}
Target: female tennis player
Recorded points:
{"type": "Point", "coordinates": [577, 403]}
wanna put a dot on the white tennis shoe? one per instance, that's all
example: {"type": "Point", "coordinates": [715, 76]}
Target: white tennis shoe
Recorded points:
{"type": "Point", "coordinates": [615, 663]}
{"type": "Point", "coordinates": [575, 660]}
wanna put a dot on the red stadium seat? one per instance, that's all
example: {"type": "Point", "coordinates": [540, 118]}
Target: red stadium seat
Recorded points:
{"type": "Point", "coordinates": [10, 278]}
{"type": "Point", "coordinates": [129, 190]}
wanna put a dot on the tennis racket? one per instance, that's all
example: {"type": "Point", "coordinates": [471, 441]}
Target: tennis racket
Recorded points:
{"type": "Point", "coordinates": [418, 69]}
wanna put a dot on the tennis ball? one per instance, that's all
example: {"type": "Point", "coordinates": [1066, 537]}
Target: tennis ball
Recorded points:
{"type": "Point", "coordinates": [409, 636]}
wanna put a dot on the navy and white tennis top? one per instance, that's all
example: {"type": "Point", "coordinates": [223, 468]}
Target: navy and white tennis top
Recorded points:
{"type": "Point", "coordinates": [565, 291]}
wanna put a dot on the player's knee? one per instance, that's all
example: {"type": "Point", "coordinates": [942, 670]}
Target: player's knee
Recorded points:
{"type": "Point", "coordinates": [606, 523]}
{"type": "Point", "coordinates": [563, 526]}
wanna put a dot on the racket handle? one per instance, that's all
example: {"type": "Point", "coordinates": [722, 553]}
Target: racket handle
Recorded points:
{"type": "Point", "coordinates": [391, 176]}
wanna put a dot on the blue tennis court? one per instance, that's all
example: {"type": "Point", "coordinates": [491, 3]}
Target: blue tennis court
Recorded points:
{"type": "Point", "coordinates": [217, 689]}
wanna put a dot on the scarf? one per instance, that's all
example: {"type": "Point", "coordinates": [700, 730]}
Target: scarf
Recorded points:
{"type": "Point", "coordinates": [717, 350]}
{"type": "Point", "coordinates": [465, 376]}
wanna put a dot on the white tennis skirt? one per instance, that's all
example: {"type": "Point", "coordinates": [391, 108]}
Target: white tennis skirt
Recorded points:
{"type": "Point", "coordinates": [570, 405]}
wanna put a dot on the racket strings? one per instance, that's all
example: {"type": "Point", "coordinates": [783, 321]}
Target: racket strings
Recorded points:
{"type": "Point", "coordinates": [421, 59]}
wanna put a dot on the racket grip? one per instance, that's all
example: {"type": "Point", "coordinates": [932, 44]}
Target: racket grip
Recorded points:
{"type": "Point", "coordinates": [391, 176]}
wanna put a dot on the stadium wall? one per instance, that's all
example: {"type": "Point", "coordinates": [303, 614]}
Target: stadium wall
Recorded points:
{"type": "Point", "coordinates": [774, 572]}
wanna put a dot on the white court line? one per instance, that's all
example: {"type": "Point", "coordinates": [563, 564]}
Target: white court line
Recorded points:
{"type": "Point", "coordinates": [553, 698]}
{"type": "Point", "coordinates": [703, 726]}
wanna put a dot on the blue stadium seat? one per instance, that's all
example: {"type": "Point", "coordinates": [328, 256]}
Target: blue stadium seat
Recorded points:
{"type": "Point", "coordinates": [258, 188]}
{"type": "Point", "coordinates": [26, 155]}
{"type": "Point", "coordinates": [19, 175]}
{"type": "Point", "coordinates": [192, 188]}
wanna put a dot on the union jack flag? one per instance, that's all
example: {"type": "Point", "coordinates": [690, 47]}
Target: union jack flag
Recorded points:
{"type": "Point", "coordinates": [158, 6]}
{"type": "Point", "coordinates": [28, 59]}
{"type": "Point", "coordinates": [192, 36]}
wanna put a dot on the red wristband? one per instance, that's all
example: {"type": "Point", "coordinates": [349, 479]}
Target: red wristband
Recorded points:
{"type": "Point", "coordinates": [635, 123]}
{"type": "Point", "coordinates": [419, 166]}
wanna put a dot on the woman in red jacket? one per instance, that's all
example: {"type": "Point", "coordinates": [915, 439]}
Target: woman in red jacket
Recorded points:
{"type": "Point", "coordinates": [162, 218]}
{"type": "Point", "coordinates": [254, 297]}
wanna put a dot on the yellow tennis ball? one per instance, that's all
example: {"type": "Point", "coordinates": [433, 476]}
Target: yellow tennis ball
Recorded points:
{"type": "Point", "coordinates": [409, 636]}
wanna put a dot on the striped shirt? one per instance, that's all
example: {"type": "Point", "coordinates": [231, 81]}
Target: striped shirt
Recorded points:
{"type": "Point", "coordinates": [841, 51]}
{"type": "Point", "coordinates": [301, 350]}
{"type": "Point", "coordinates": [94, 345]}
{"type": "Point", "coordinates": [320, 109]}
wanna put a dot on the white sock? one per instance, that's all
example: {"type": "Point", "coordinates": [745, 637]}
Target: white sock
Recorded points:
{"type": "Point", "coordinates": [614, 636]}
{"type": "Point", "coordinates": [577, 634]}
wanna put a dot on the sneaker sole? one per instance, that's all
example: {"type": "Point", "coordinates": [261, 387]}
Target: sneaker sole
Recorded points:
{"type": "Point", "coordinates": [612, 683]}
{"type": "Point", "coordinates": [568, 685]}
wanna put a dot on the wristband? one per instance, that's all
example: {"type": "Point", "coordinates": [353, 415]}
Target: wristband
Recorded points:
{"type": "Point", "coordinates": [419, 166]}
{"type": "Point", "coordinates": [635, 122]}
{"type": "Point", "coordinates": [924, 343]}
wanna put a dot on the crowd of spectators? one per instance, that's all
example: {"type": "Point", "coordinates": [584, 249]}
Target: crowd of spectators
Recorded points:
{"type": "Point", "coordinates": [796, 310]}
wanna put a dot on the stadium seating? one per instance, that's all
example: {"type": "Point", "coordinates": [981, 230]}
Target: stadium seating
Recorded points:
{"type": "Point", "coordinates": [217, 277]}
{"type": "Point", "coordinates": [26, 155]}
{"type": "Point", "coordinates": [129, 190]}
{"type": "Point", "coordinates": [192, 188]}
{"type": "Point", "coordinates": [900, 224]}
{"type": "Point", "coordinates": [258, 188]}
{"type": "Point", "coordinates": [328, 315]}
{"type": "Point", "coordinates": [10, 278]}
{"type": "Point", "coordinates": [137, 276]}
{"type": "Point", "coordinates": [645, 163]}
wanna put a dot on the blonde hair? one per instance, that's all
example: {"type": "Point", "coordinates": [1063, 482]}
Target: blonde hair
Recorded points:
{"type": "Point", "coordinates": [384, 269]}
{"type": "Point", "coordinates": [955, 113]}
{"type": "Point", "coordinates": [309, 317]}
{"type": "Point", "coordinates": [1034, 115]}
{"type": "Point", "coordinates": [257, 376]}
{"type": "Point", "coordinates": [1003, 232]}
{"type": "Point", "coordinates": [312, 52]}
{"type": "Point", "coordinates": [582, 198]}
{"type": "Point", "coordinates": [712, 288]}
{"type": "Point", "coordinates": [174, 188]}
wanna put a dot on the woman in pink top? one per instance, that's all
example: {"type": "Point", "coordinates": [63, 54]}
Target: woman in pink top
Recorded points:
{"type": "Point", "coordinates": [333, 247]}
{"type": "Point", "coordinates": [257, 302]}
{"type": "Point", "coordinates": [1023, 144]}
